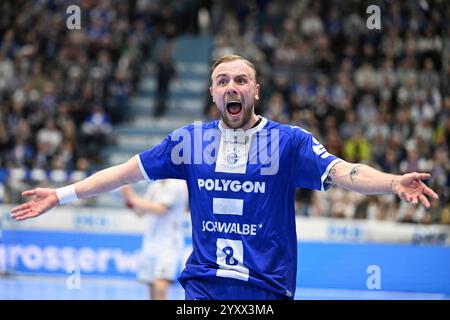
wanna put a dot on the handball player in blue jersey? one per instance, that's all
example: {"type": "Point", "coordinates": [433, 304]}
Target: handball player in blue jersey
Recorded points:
{"type": "Point", "coordinates": [241, 172]}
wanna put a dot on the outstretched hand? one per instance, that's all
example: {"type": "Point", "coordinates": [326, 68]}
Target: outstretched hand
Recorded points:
{"type": "Point", "coordinates": [43, 199]}
{"type": "Point", "coordinates": [411, 189]}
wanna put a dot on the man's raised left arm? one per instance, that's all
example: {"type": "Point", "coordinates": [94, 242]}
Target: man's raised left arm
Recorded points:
{"type": "Point", "coordinates": [367, 180]}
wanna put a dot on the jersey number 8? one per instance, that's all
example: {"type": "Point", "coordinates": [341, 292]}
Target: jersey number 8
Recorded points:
{"type": "Point", "coordinates": [230, 258]}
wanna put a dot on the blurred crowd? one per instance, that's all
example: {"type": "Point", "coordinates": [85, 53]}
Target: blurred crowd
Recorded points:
{"type": "Point", "coordinates": [380, 97]}
{"type": "Point", "coordinates": [62, 90]}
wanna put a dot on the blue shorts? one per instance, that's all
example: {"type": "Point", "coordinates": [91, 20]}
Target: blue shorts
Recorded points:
{"type": "Point", "coordinates": [196, 289]}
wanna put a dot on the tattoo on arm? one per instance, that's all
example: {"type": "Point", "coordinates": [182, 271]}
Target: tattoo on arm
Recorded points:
{"type": "Point", "coordinates": [353, 173]}
{"type": "Point", "coordinates": [392, 186]}
{"type": "Point", "coordinates": [331, 175]}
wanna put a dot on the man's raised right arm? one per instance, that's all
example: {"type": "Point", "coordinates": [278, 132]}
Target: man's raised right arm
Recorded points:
{"type": "Point", "coordinates": [44, 199]}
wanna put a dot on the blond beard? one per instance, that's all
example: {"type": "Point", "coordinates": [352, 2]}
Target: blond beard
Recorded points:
{"type": "Point", "coordinates": [245, 119]}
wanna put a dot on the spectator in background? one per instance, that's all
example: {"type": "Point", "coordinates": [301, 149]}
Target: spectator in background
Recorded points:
{"type": "Point", "coordinates": [165, 72]}
{"type": "Point", "coordinates": [357, 148]}
{"type": "Point", "coordinates": [4, 145]}
{"type": "Point", "coordinates": [21, 154]}
{"type": "Point", "coordinates": [6, 72]}
{"type": "Point", "coordinates": [390, 161]}
{"type": "Point", "coordinates": [412, 161]}
{"type": "Point", "coordinates": [95, 132]}
{"type": "Point", "coordinates": [42, 157]}
{"type": "Point", "coordinates": [66, 154]}
{"type": "Point", "coordinates": [119, 91]}
{"type": "Point", "coordinates": [276, 108]}
{"type": "Point", "coordinates": [350, 125]}
{"type": "Point", "coordinates": [50, 135]}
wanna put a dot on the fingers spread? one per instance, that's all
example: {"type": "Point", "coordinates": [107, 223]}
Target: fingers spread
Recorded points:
{"type": "Point", "coordinates": [21, 207]}
{"type": "Point", "coordinates": [425, 201]}
{"type": "Point", "coordinates": [21, 213]}
{"type": "Point", "coordinates": [27, 216]}
{"type": "Point", "coordinates": [422, 176]}
{"type": "Point", "coordinates": [29, 193]}
{"type": "Point", "coordinates": [430, 192]}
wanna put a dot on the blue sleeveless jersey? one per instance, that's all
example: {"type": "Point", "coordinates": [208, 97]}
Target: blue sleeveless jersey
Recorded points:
{"type": "Point", "coordinates": [241, 196]}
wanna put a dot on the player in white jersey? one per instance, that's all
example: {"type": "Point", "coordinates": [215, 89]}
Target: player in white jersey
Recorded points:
{"type": "Point", "coordinates": [243, 223]}
{"type": "Point", "coordinates": [163, 204]}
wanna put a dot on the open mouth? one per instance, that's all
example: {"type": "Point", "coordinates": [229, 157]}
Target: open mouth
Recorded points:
{"type": "Point", "coordinates": [234, 107]}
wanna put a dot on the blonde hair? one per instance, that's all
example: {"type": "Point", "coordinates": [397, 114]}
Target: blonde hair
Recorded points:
{"type": "Point", "coordinates": [232, 57]}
